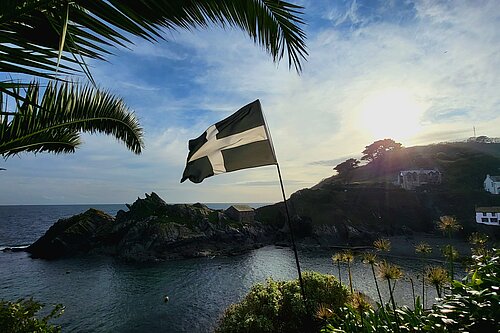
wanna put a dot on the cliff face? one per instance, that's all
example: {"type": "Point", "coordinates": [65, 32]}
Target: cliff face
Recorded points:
{"type": "Point", "coordinates": [151, 230]}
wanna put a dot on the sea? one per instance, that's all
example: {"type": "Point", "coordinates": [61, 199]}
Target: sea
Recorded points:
{"type": "Point", "coordinates": [103, 294]}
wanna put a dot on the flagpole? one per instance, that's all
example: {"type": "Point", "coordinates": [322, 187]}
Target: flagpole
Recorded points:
{"type": "Point", "coordinates": [292, 237]}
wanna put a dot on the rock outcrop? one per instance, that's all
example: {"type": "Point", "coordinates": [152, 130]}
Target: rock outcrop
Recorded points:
{"type": "Point", "coordinates": [151, 230]}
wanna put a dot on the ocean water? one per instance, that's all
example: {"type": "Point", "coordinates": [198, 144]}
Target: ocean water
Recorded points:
{"type": "Point", "coordinates": [102, 294]}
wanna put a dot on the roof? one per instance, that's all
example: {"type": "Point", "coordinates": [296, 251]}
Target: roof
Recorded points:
{"type": "Point", "coordinates": [488, 209]}
{"type": "Point", "coordinates": [419, 171]}
{"type": "Point", "coordinates": [495, 178]}
{"type": "Point", "coordinates": [242, 208]}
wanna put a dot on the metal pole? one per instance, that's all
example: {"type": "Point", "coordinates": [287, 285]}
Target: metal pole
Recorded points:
{"type": "Point", "coordinates": [292, 237]}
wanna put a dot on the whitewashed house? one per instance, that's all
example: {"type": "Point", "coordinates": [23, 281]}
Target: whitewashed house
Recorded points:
{"type": "Point", "coordinates": [411, 179]}
{"type": "Point", "coordinates": [492, 184]}
{"type": "Point", "coordinates": [488, 215]}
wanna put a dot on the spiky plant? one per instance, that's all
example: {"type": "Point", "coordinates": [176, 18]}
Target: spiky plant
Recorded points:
{"type": "Point", "coordinates": [437, 276]}
{"type": "Point", "coordinates": [390, 272]}
{"type": "Point", "coordinates": [382, 245]}
{"type": "Point", "coordinates": [348, 258]}
{"type": "Point", "coordinates": [51, 120]}
{"type": "Point", "coordinates": [423, 249]}
{"type": "Point", "coordinates": [451, 254]}
{"type": "Point", "coordinates": [478, 241]}
{"type": "Point", "coordinates": [324, 313]}
{"type": "Point", "coordinates": [448, 225]}
{"type": "Point", "coordinates": [371, 259]}
{"type": "Point", "coordinates": [337, 258]}
{"type": "Point", "coordinates": [359, 302]}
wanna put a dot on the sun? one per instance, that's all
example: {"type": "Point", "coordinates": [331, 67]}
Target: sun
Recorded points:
{"type": "Point", "coordinates": [391, 113]}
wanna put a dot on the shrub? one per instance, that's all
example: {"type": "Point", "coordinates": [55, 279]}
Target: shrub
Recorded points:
{"type": "Point", "coordinates": [20, 317]}
{"type": "Point", "coordinates": [277, 306]}
{"type": "Point", "coordinates": [472, 306]}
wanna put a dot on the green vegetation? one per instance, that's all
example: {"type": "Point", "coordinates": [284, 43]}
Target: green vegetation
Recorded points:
{"type": "Point", "coordinates": [21, 317]}
{"type": "Point", "coordinates": [54, 123]}
{"type": "Point", "coordinates": [379, 149]}
{"type": "Point", "coordinates": [345, 169]}
{"type": "Point", "coordinates": [277, 306]}
{"type": "Point", "coordinates": [472, 305]}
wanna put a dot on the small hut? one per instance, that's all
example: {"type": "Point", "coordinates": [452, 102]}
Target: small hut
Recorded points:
{"type": "Point", "coordinates": [241, 213]}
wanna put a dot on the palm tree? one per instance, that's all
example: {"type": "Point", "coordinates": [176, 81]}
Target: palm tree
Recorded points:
{"type": "Point", "coordinates": [51, 38]}
{"type": "Point", "coordinates": [53, 123]}
{"type": "Point", "coordinates": [40, 36]}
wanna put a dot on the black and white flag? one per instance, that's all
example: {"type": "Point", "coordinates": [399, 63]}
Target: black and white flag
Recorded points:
{"type": "Point", "coordinates": [240, 141]}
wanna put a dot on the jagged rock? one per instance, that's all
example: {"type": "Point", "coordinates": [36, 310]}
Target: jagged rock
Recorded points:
{"type": "Point", "coordinates": [151, 230]}
{"type": "Point", "coordinates": [77, 234]}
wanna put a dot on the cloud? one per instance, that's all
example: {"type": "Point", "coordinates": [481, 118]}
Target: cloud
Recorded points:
{"type": "Point", "coordinates": [442, 55]}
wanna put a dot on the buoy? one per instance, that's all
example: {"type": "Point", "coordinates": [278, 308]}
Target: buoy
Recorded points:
{"type": "Point", "coordinates": [165, 299]}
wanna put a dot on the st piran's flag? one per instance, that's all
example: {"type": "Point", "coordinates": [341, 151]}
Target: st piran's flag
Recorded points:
{"type": "Point", "coordinates": [238, 142]}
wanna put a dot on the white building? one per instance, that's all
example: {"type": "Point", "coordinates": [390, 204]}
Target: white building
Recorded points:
{"type": "Point", "coordinates": [488, 215]}
{"type": "Point", "coordinates": [492, 184]}
{"type": "Point", "coordinates": [411, 179]}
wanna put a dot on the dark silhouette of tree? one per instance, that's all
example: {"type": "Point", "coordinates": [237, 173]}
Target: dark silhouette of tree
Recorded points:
{"type": "Point", "coordinates": [345, 168]}
{"type": "Point", "coordinates": [379, 148]}
{"type": "Point", "coordinates": [480, 139]}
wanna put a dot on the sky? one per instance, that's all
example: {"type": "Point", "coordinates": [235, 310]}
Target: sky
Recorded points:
{"type": "Point", "coordinates": [418, 72]}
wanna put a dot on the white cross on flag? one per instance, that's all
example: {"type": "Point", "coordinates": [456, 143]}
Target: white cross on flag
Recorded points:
{"type": "Point", "coordinates": [238, 142]}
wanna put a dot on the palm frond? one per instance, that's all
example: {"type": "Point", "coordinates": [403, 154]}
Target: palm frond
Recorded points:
{"type": "Point", "coordinates": [50, 121]}
{"type": "Point", "coordinates": [93, 25]}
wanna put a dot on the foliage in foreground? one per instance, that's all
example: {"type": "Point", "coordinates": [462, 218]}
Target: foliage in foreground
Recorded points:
{"type": "Point", "coordinates": [277, 306]}
{"type": "Point", "coordinates": [471, 306]}
{"type": "Point", "coordinates": [21, 317]}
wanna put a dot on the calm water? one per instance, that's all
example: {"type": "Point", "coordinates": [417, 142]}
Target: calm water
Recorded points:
{"type": "Point", "coordinates": [105, 295]}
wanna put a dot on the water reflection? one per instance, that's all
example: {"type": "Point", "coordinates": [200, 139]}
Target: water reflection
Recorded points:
{"type": "Point", "coordinates": [102, 294]}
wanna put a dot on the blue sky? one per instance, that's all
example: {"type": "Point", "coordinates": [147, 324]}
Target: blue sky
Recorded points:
{"type": "Point", "coordinates": [416, 71]}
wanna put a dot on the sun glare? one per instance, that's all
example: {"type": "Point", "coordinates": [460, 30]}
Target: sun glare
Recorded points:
{"type": "Point", "coordinates": [391, 113]}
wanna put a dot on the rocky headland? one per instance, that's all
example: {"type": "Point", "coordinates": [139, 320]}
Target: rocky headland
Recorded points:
{"type": "Point", "coordinates": [350, 210]}
{"type": "Point", "coordinates": [151, 230]}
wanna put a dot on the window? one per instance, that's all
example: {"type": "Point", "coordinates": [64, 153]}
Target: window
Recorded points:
{"type": "Point", "coordinates": [484, 214]}
{"type": "Point", "coordinates": [484, 219]}
{"type": "Point", "coordinates": [494, 219]}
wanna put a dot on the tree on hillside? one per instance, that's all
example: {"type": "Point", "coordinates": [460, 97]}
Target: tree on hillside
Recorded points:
{"type": "Point", "coordinates": [52, 38]}
{"type": "Point", "coordinates": [480, 139]}
{"type": "Point", "coordinates": [345, 168]}
{"type": "Point", "coordinates": [379, 148]}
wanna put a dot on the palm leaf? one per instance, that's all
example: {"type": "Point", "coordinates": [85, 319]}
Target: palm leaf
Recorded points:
{"type": "Point", "coordinates": [93, 25]}
{"type": "Point", "coordinates": [53, 122]}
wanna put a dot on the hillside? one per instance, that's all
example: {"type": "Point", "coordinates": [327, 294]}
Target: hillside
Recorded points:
{"type": "Point", "coordinates": [370, 201]}
{"type": "Point", "coordinates": [463, 165]}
